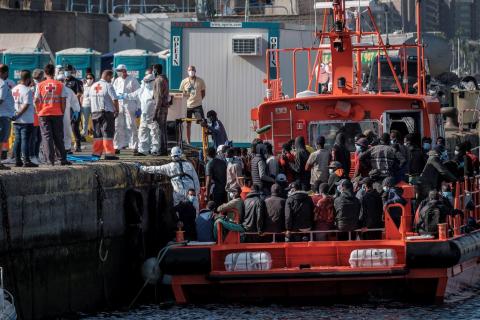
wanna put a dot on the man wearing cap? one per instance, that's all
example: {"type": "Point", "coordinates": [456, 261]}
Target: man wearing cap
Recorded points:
{"type": "Point", "coordinates": [336, 174]}
{"type": "Point", "coordinates": [193, 88]}
{"type": "Point", "coordinates": [148, 132]}
{"type": "Point", "coordinates": [318, 162]}
{"type": "Point", "coordinates": [104, 104]}
{"type": "Point", "coordinates": [126, 133]}
{"type": "Point", "coordinates": [77, 87]}
{"type": "Point", "coordinates": [347, 208]}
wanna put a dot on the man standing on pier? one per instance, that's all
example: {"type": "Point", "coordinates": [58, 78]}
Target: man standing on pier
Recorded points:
{"type": "Point", "coordinates": [161, 95]}
{"type": "Point", "coordinates": [104, 104]}
{"type": "Point", "coordinates": [50, 103]}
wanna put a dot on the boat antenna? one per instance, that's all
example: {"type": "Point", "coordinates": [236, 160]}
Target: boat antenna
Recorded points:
{"type": "Point", "coordinates": [387, 42]}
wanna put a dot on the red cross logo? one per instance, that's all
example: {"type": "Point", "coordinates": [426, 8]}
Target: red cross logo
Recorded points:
{"type": "Point", "coordinates": [51, 87]}
{"type": "Point", "coordinates": [16, 94]}
{"type": "Point", "coordinates": [98, 88]}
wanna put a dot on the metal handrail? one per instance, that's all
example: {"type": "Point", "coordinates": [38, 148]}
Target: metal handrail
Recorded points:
{"type": "Point", "coordinates": [128, 6]}
{"type": "Point", "coordinates": [312, 232]}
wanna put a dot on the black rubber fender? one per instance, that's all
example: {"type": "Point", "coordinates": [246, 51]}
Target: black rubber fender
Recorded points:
{"type": "Point", "coordinates": [444, 254]}
{"type": "Point", "coordinates": [182, 261]}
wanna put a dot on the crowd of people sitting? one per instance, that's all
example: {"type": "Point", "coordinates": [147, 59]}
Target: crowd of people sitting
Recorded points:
{"type": "Point", "coordinates": [327, 193]}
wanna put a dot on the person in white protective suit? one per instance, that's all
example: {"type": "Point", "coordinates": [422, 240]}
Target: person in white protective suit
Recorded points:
{"type": "Point", "coordinates": [126, 133]}
{"type": "Point", "coordinates": [148, 132]}
{"type": "Point", "coordinates": [182, 174]}
{"type": "Point", "coordinates": [72, 110]}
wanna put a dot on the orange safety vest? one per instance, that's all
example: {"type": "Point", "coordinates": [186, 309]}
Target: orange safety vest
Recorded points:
{"type": "Point", "coordinates": [50, 96]}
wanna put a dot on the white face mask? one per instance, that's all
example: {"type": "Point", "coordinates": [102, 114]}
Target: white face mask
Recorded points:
{"type": "Point", "coordinates": [385, 189]}
{"type": "Point", "coordinates": [191, 74]}
{"type": "Point", "coordinates": [149, 85]}
{"type": "Point", "coordinates": [457, 152]}
{"type": "Point", "coordinates": [89, 82]}
{"type": "Point", "coordinates": [67, 74]}
{"type": "Point", "coordinates": [192, 198]}
{"type": "Point", "coordinates": [331, 171]}
{"type": "Point", "coordinates": [119, 74]}
{"type": "Point", "coordinates": [231, 195]}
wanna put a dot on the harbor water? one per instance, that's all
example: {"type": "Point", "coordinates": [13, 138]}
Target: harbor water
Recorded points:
{"type": "Point", "coordinates": [463, 306]}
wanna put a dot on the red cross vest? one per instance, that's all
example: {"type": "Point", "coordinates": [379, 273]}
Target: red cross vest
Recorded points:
{"type": "Point", "coordinates": [50, 96]}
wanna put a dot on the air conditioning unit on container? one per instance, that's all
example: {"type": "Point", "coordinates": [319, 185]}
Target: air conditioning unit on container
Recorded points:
{"type": "Point", "coordinates": [247, 45]}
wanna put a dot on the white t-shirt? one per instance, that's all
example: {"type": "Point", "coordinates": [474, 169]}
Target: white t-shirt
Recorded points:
{"type": "Point", "coordinates": [23, 95]}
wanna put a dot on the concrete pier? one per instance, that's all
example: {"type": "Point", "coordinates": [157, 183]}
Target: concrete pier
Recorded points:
{"type": "Point", "coordinates": [54, 241]}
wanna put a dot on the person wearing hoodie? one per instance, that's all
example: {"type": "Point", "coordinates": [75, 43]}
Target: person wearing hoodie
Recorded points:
{"type": "Point", "coordinates": [275, 205]}
{"type": "Point", "coordinates": [347, 207]}
{"type": "Point", "coordinates": [301, 158]}
{"type": "Point", "coordinates": [259, 169]}
{"type": "Point", "coordinates": [433, 174]}
{"type": "Point", "coordinates": [253, 219]}
{"type": "Point", "coordinates": [336, 175]}
{"type": "Point", "coordinates": [298, 212]}
{"type": "Point", "coordinates": [340, 152]}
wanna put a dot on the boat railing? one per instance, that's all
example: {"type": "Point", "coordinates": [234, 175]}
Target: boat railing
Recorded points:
{"type": "Point", "coordinates": [461, 117]}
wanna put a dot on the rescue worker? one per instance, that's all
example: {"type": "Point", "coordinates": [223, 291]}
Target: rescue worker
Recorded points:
{"type": "Point", "coordinates": [7, 110]}
{"type": "Point", "coordinates": [216, 129]}
{"type": "Point", "coordinates": [161, 95]}
{"type": "Point", "coordinates": [71, 114]}
{"type": "Point", "coordinates": [50, 103]}
{"type": "Point", "coordinates": [23, 120]}
{"type": "Point", "coordinates": [77, 87]}
{"type": "Point", "coordinates": [148, 133]}
{"type": "Point", "coordinates": [181, 173]}
{"type": "Point", "coordinates": [384, 157]}
{"type": "Point", "coordinates": [318, 163]}
{"type": "Point", "coordinates": [86, 107]}
{"type": "Point", "coordinates": [104, 104]}
{"type": "Point", "coordinates": [38, 76]}
{"type": "Point", "coordinates": [126, 133]}
{"type": "Point", "coordinates": [347, 208]}
{"type": "Point", "coordinates": [194, 89]}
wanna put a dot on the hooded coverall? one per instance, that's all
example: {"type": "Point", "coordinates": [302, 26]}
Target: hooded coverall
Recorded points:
{"type": "Point", "coordinates": [148, 132]}
{"type": "Point", "coordinates": [126, 133]}
{"type": "Point", "coordinates": [72, 104]}
{"type": "Point", "coordinates": [182, 176]}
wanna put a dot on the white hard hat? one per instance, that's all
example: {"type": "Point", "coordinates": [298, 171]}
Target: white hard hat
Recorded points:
{"type": "Point", "coordinates": [121, 67]}
{"type": "Point", "coordinates": [149, 77]}
{"type": "Point", "coordinates": [176, 152]}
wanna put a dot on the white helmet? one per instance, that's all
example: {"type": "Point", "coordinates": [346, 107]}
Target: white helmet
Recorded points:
{"type": "Point", "coordinates": [176, 152]}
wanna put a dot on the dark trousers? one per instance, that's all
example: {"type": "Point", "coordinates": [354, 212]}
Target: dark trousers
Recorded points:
{"type": "Point", "coordinates": [35, 140]}
{"type": "Point", "coordinates": [161, 118]}
{"type": "Point", "coordinates": [21, 147]}
{"type": "Point", "coordinates": [76, 131]}
{"type": "Point", "coordinates": [51, 128]}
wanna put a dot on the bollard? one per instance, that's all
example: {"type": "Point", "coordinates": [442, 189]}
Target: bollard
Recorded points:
{"type": "Point", "coordinates": [442, 231]}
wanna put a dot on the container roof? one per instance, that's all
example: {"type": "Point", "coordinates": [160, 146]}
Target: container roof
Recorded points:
{"type": "Point", "coordinates": [134, 52]}
{"type": "Point", "coordinates": [26, 50]}
{"type": "Point", "coordinates": [73, 51]}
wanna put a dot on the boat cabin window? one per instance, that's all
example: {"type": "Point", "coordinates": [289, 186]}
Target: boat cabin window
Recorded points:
{"type": "Point", "coordinates": [387, 80]}
{"type": "Point", "coordinates": [403, 121]}
{"type": "Point", "coordinates": [330, 129]}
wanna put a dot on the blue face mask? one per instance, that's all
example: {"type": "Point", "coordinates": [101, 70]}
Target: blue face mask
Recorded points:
{"type": "Point", "coordinates": [427, 146]}
{"type": "Point", "coordinates": [448, 195]}
{"type": "Point", "coordinates": [358, 148]}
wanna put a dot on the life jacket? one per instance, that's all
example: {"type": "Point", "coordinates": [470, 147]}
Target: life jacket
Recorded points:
{"type": "Point", "coordinates": [50, 95]}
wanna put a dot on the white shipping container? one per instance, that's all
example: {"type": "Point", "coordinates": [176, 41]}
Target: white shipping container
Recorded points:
{"type": "Point", "coordinates": [248, 261]}
{"type": "Point", "coordinates": [371, 258]}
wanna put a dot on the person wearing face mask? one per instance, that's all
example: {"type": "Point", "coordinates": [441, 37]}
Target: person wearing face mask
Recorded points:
{"type": "Point", "coordinates": [235, 204]}
{"type": "Point", "coordinates": [216, 178]}
{"type": "Point", "coordinates": [426, 145]}
{"type": "Point", "coordinates": [433, 174]}
{"type": "Point", "coordinates": [194, 89]}
{"type": "Point", "coordinates": [467, 163]}
{"type": "Point", "coordinates": [234, 172]}
{"type": "Point", "coordinates": [38, 76]}
{"type": "Point", "coordinates": [86, 108]}
{"type": "Point", "coordinates": [23, 120]}
{"type": "Point", "coordinates": [126, 132]}
{"type": "Point", "coordinates": [336, 175]}
{"type": "Point", "coordinates": [318, 163]}
{"type": "Point", "coordinates": [148, 132]}
{"type": "Point", "coordinates": [161, 94]}
{"type": "Point", "coordinates": [361, 168]}
{"type": "Point", "coordinates": [193, 199]}
{"type": "Point", "coordinates": [104, 104]}
{"type": "Point", "coordinates": [442, 149]}
{"type": "Point", "coordinates": [72, 112]}
{"type": "Point", "coordinates": [77, 87]}
{"type": "Point", "coordinates": [215, 129]}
